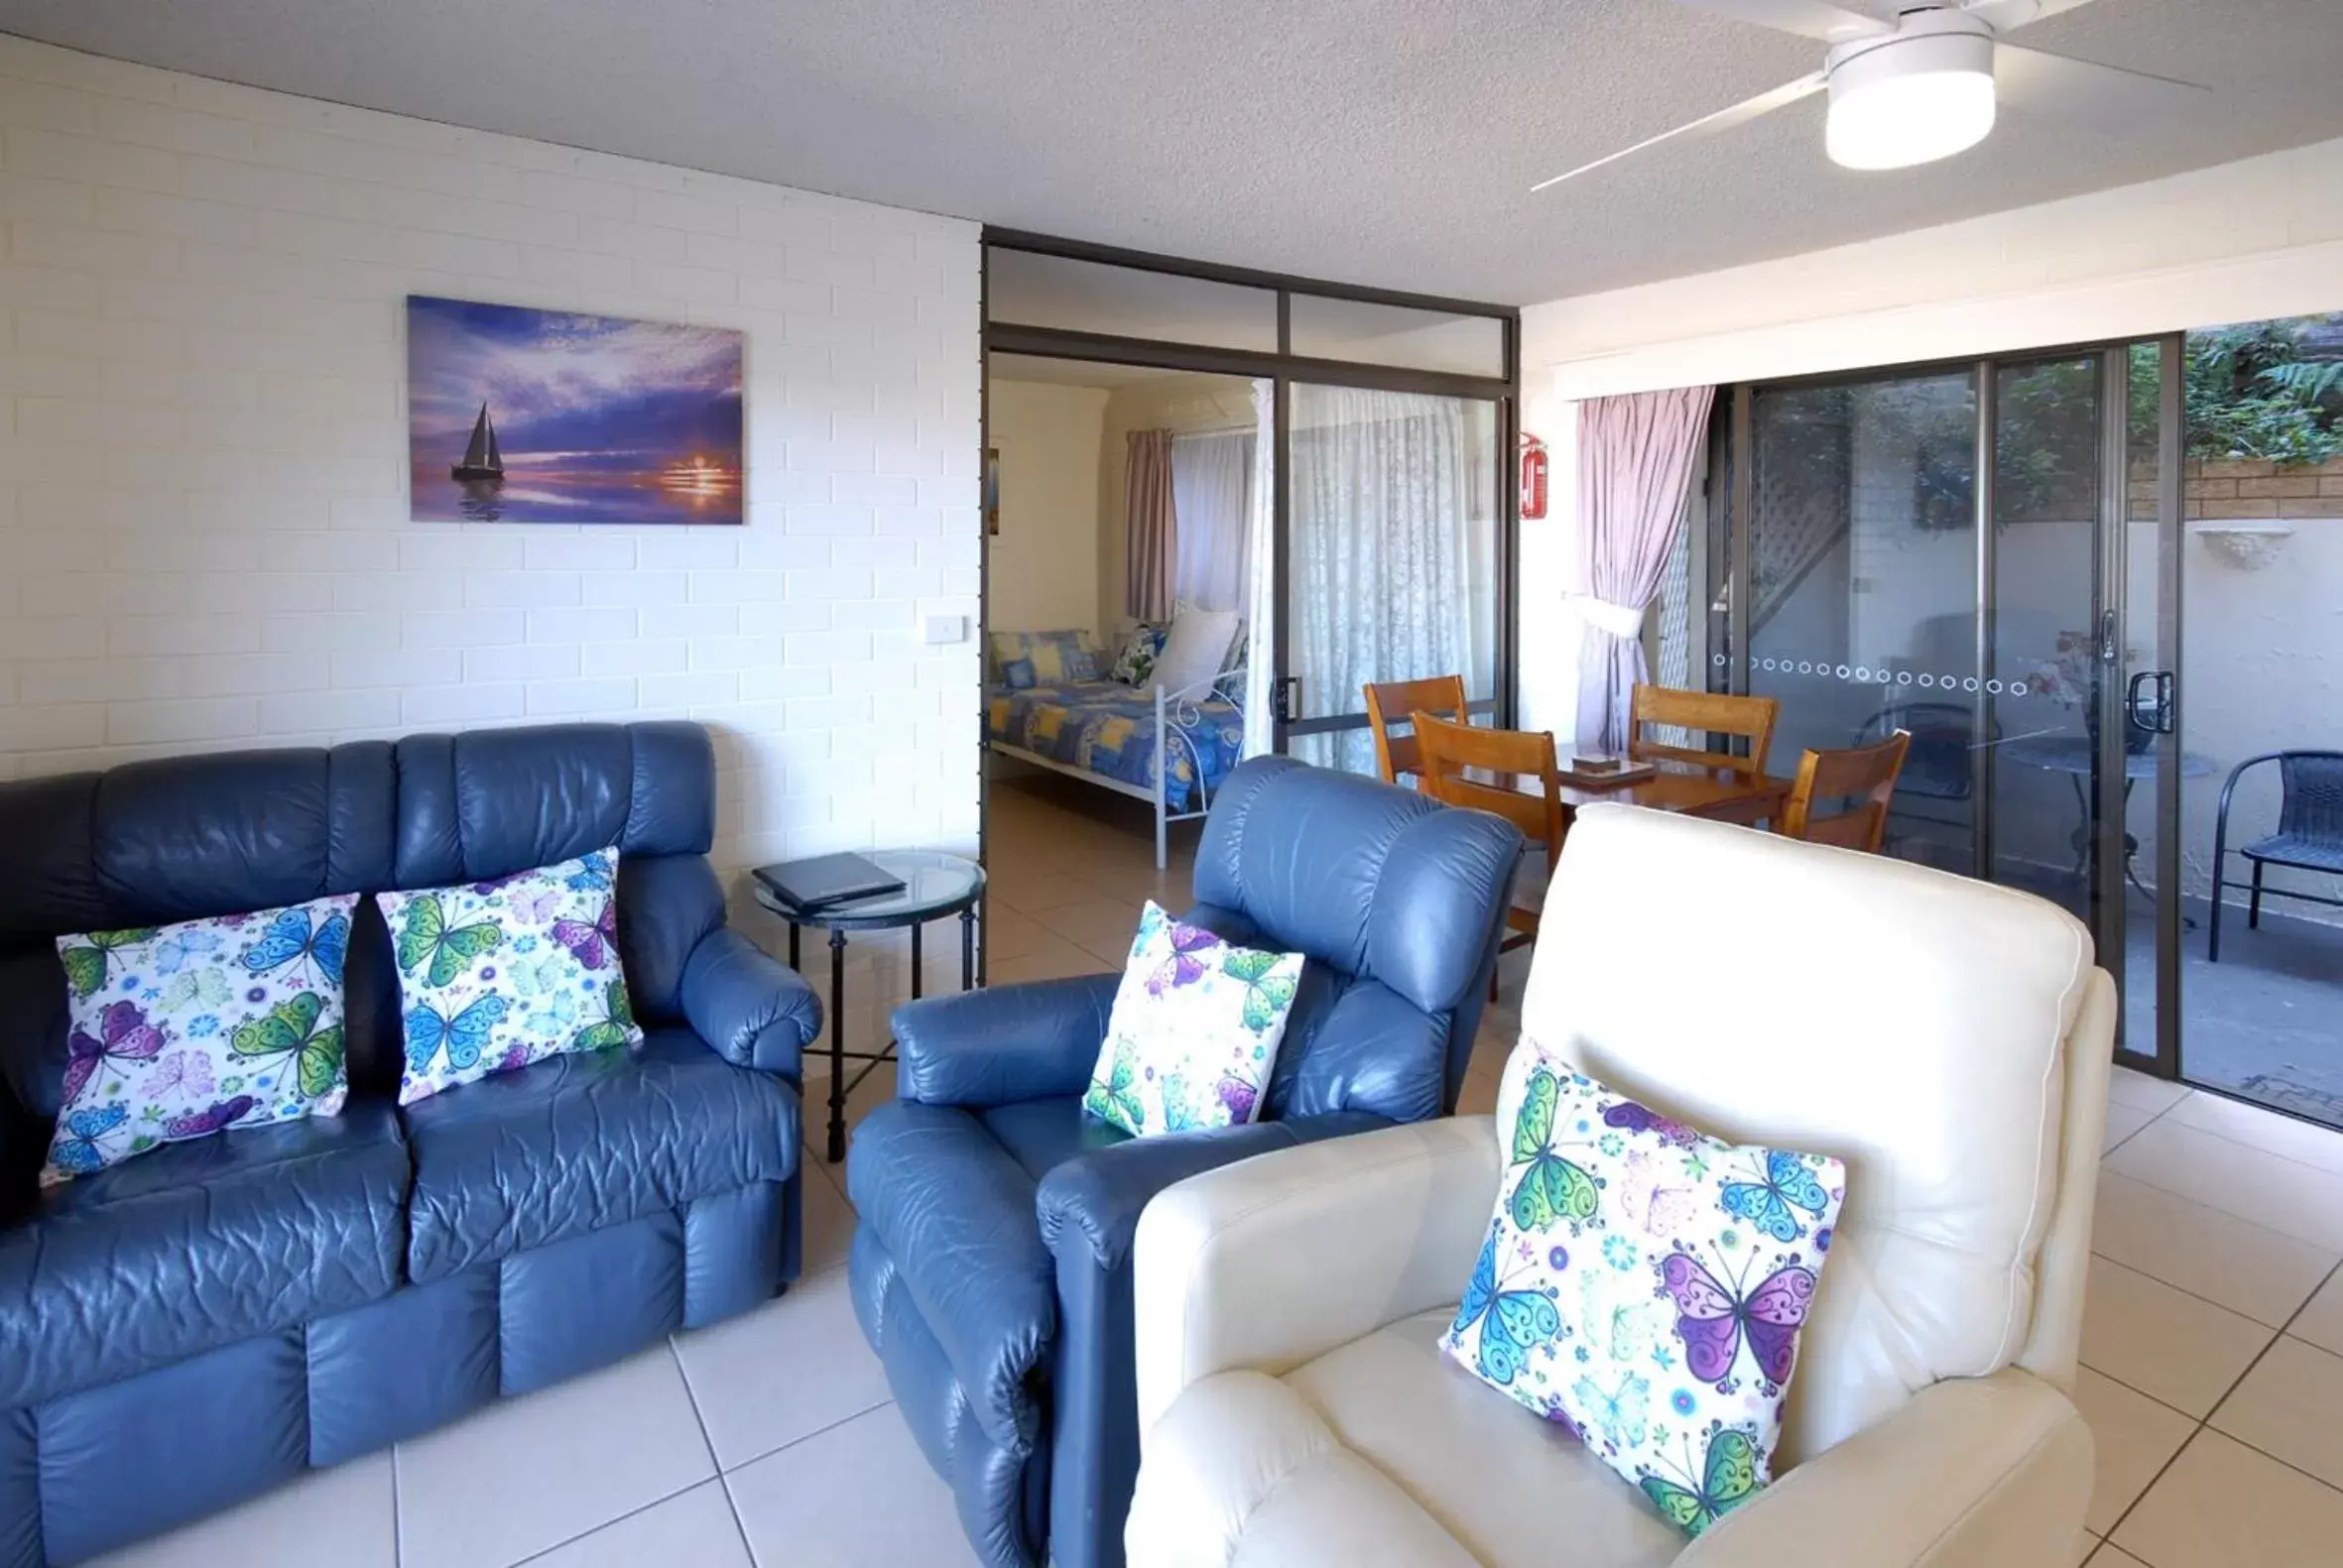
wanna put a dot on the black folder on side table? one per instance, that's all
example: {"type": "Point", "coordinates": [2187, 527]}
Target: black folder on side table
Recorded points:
{"type": "Point", "coordinates": [827, 879]}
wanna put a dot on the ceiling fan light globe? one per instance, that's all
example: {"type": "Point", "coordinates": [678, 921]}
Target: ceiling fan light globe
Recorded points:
{"type": "Point", "coordinates": [1913, 120]}
{"type": "Point", "coordinates": [1923, 93]}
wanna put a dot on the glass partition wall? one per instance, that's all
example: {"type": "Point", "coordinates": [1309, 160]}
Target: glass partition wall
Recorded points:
{"type": "Point", "coordinates": [1394, 420]}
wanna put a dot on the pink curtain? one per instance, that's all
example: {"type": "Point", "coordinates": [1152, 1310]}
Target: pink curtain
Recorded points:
{"type": "Point", "coordinates": [1151, 555]}
{"type": "Point", "coordinates": [1635, 466]}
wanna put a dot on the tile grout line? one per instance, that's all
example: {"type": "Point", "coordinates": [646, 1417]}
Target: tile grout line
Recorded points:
{"type": "Point", "coordinates": [2234, 1142]}
{"type": "Point", "coordinates": [2246, 1317]}
{"type": "Point", "coordinates": [806, 1437]}
{"type": "Point", "coordinates": [2205, 1424]}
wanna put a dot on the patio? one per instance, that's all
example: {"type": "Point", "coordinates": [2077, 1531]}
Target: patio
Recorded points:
{"type": "Point", "coordinates": [2267, 1021]}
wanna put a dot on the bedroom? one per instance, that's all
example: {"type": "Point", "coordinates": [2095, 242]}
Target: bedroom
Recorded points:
{"type": "Point", "coordinates": [1120, 533]}
{"type": "Point", "coordinates": [1217, 507]}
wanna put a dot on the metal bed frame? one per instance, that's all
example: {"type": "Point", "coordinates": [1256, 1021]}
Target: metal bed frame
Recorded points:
{"type": "Point", "coordinates": [1180, 718]}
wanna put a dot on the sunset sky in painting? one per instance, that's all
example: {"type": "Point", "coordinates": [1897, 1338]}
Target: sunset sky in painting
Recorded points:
{"type": "Point", "coordinates": [584, 406]}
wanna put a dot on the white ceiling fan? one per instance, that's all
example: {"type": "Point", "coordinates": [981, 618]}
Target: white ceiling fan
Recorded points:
{"type": "Point", "coordinates": [1923, 87]}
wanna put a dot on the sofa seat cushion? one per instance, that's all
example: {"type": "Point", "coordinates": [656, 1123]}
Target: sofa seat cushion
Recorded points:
{"type": "Point", "coordinates": [1383, 1443]}
{"type": "Point", "coordinates": [578, 1143]}
{"type": "Point", "coordinates": [953, 1210]}
{"type": "Point", "coordinates": [198, 1245]}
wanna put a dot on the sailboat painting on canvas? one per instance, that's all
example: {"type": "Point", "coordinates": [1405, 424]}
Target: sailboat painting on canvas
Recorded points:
{"type": "Point", "coordinates": [523, 416]}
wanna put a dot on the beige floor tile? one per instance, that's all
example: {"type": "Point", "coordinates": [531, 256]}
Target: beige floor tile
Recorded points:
{"type": "Point", "coordinates": [1101, 925]}
{"type": "Point", "coordinates": [829, 1220]}
{"type": "Point", "coordinates": [694, 1528]}
{"type": "Point", "coordinates": [2263, 1130]}
{"type": "Point", "coordinates": [2281, 1194]}
{"type": "Point", "coordinates": [2322, 1322]}
{"type": "Point", "coordinates": [2262, 1273]}
{"type": "Point", "coordinates": [2162, 1342]}
{"type": "Point", "coordinates": [2142, 1093]}
{"type": "Point", "coordinates": [1056, 959]}
{"type": "Point", "coordinates": [2223, 1505]}
{"type": "Point", "coordinates": [1037, 891]}
{"type": "Point", "coordinates": [2135, 1437]}
{"type": "Point", "coordinates": [2108, 1556]}
{"type": "Point", "coordinates": [859, 1493]}
{"type": "Point", "coordinates": [1479, 1095]}
{"type": "Point", "coordinates": [1008, 935]}
{"type": "Point", "coordinates": [2085, 1543]}
{"type": "Point", "coordinates": [2122, 1121]}
{"type": "Point", "coordinates": [2291, 1407]}
{"type": "Point", "coordinates": [597, 1447]}
{"type": "Point", "coordinates": [786, 1371]}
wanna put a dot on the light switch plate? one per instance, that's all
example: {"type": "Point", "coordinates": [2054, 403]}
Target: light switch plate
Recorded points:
{"type": "Point", "coordinates": [945, 629]}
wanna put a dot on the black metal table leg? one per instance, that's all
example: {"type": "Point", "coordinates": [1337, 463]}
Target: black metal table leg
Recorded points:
{"type": "Point", "coordinates": [968, 948]}
{"type": "Point", "coordinates": [837, 1146]}
{"type": "Point", "coordinates": [915, 929]}
{"type": "Point", "coordinates": [794, 964]}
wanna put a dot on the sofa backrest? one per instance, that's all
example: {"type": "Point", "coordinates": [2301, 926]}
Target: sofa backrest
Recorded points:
{"type": "Point", "coordinates": [156, 842]}
{"type": "Point", "coordinates": [1397, 901]}
{"type": "Point", "coordinates": [1949, 1039]}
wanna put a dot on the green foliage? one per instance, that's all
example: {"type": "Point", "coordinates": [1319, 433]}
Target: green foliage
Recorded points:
{"type": "Point", "coordinates": [2251, 394]}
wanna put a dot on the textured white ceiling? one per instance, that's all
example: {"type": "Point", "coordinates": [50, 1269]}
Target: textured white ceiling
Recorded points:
{"type": "Point", "coordinates": [1386, 142]}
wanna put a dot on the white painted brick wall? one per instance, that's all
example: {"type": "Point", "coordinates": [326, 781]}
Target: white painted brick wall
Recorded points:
{"type": "Point", "coordinates": [204, 529]}
{"type": "Point", "coordinates": [204, 533]}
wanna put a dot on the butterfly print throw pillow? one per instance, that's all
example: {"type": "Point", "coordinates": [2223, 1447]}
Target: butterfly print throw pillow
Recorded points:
{"type": "Point", "coordinates": [1195, 1030]}
{"type": "Point", "coordinates": [176, 1031]}
{"type": "Point", "coordinates": [495, 975]}
{"type": "Point", "coordinates": [1644, 1286]}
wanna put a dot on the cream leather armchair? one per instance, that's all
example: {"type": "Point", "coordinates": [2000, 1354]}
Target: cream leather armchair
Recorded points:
{"type": "Point", "coordinates": [1949, 1041]}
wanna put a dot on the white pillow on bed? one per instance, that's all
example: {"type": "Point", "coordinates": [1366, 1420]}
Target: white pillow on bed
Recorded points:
{"type": "Point", "coordinates": [1197, 649]}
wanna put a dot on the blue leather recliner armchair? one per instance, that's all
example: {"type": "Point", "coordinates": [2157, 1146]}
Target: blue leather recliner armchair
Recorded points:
{"type": "Point", "coordinates": [991, 1268]}
{"type": "Point", "coordinates": [205, 1320]}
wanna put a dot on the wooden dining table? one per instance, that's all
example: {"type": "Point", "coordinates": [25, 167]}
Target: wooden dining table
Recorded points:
{"type": "Point", "coordinates": [1715, 794]}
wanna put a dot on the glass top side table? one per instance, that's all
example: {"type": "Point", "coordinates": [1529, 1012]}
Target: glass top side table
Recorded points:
{"type": "Point", "coordinates": [934, 884]}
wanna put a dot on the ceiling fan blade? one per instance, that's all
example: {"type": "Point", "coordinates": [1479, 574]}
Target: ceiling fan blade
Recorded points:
{"type": "Point", "coordinates": [1724, 119]}
{"type": "Point", "coordinates": [1806, 18]}
{"type": "Point", "coordinates": [2104, 97]}
{"type": "Point", "coordinates": [2005, 16]}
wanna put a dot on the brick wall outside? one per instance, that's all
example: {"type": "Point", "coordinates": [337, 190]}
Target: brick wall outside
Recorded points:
{"type": "Point", "coordinates": [2250, 488]}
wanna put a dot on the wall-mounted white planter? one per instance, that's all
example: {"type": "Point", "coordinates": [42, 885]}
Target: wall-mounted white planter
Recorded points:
{"type": "Point", "coordinates": [2247, 544]}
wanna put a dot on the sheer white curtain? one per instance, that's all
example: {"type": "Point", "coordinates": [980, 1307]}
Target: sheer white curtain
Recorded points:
{"type": "Point", "coordinates": [1212, 495]}
{"type": "Point", "coordinates": [1392, 560]}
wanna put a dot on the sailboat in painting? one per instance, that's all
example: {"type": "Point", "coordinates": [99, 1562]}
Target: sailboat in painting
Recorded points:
{"type": "Point", "coordinates": [481, 459]}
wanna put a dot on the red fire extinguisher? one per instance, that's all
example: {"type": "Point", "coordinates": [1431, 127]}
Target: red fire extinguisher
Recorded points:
{"type": "Point", "coordinates": [1533, 477]}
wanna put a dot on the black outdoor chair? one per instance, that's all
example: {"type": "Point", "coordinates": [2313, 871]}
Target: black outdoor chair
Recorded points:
{"type": "Point", "coordinates": [2309, 834]}
{"type": "Point", "coordinates": [1936, 766]}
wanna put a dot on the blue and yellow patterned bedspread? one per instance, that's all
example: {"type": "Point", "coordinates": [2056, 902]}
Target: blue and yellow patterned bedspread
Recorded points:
{"type": "Point", "coordinates": [1107, 728]}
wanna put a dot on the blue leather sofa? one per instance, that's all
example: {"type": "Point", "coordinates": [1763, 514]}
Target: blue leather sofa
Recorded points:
{"type": "Point", "coordinates": [991, 1270]}
{"type": "Point", "coordinates": [205, 1320]}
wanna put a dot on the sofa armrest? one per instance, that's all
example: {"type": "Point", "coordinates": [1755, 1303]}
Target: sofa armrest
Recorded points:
{"type": "Point", "coordinates": [1974, 1473]}
{"type": "Point", "coordinates": [1269, 1263]}
{"type": "Point", "coordinates": [1001, 1044]}
{"type": "Point", "coordinates": [1090, 1205]}
{"type": "Point", "coordinates": [752, 1009]}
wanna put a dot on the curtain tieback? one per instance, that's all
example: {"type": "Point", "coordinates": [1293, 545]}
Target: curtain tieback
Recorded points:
{"type": "Point", "coordinates": [1618, 619]}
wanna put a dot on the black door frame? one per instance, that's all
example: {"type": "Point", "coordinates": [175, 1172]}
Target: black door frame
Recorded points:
{"type": "Point", "coordinates": [1730, 511]}
{"type": "Point", "coordinates": [1283, 369]}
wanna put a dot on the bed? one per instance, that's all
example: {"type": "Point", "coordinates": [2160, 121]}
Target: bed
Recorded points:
{"type": "Point", "coordinates": [1171, 748]}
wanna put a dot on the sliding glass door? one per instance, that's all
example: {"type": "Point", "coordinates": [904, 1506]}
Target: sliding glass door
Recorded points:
{"type": "Point", "coordinates": [1971, 554]}
{"type": "Point", "coordinates": [1392, 547]}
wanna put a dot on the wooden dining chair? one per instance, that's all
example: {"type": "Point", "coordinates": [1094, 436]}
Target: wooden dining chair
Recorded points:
{"type": "Point", "coordinates": [1703, 713]}
{"type": "Point", "coordinates": [1389, 702]}
{"type": "Point", "coordinates": [1864, 775]}
{"type": "Point", "coordinates": [1516, 761]}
